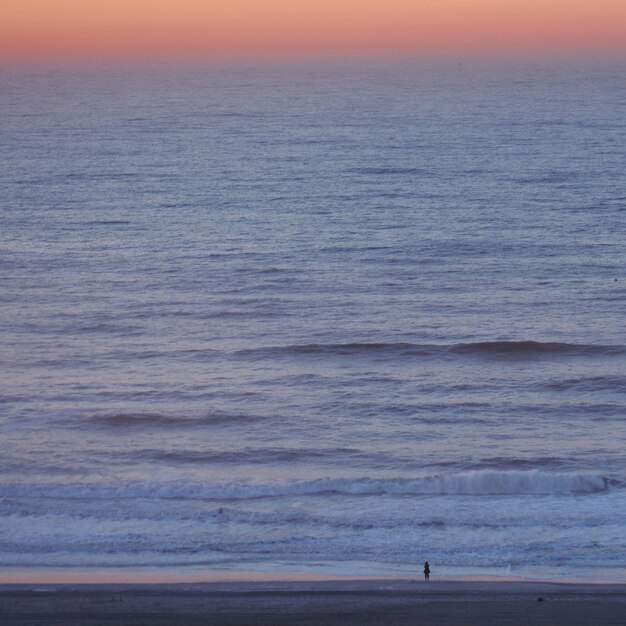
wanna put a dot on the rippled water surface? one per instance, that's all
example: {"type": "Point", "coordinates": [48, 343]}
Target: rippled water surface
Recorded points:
{"type": "Point", "coordinates": [338, 315]}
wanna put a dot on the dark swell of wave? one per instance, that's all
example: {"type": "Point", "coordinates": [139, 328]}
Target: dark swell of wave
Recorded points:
{"type": "Point", "coordinates": [505, 463]}
{"type": "Point", "coordinates": [506, 349]}
{"type": "Point", "coordinates": [106, 223]}
{"type": "Point", "coordinates": [590, 383]}
{"type": "Point", "coordinates": [382, 171]}
{"type": "Point", "coordinates": [513, 348]}
{"type": "Point", "coordinates": [247, 455]}
{"type": "Point", "coordinates": [158, 420]}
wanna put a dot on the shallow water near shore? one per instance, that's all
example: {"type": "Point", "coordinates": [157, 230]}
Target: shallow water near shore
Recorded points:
{"type": "Point", "coordinates": [318, 318]}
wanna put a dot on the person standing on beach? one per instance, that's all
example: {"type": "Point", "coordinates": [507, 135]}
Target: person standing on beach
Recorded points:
{"type": "Point", "coordinates": [426, 571]}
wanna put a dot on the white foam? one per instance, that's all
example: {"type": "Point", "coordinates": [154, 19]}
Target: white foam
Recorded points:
{"type": "Point", "coordinates": [478, 483]}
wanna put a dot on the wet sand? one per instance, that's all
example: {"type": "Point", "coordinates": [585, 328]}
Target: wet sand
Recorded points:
{"type": "Point", "coordinates": [328, 603]}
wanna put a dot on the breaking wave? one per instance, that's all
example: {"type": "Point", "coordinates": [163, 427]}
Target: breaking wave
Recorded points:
{"type": "Point", "coordinates": [473, 483]}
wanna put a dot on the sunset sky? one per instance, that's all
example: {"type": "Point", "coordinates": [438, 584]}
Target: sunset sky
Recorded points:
{"type": "Point", "coordinates": [76, 29]}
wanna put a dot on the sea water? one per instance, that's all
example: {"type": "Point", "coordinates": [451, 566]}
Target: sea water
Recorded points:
{"type": "Point", "coordinates": [343, 315]}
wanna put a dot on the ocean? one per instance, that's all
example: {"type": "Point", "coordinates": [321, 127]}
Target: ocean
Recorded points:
{"type": "Point", "coordinates": [338, 317]}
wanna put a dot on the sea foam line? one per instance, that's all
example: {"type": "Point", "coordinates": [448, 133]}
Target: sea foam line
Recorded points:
{"type": "Point", "coordinates": [472, 483]}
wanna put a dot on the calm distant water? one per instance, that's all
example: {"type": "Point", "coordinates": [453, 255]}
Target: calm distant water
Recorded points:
{"type": "Point", "coordinates": [344, 316]}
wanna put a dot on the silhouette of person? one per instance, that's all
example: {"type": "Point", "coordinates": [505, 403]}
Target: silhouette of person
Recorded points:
{"type": "Point", "coordinates": [426, 571]}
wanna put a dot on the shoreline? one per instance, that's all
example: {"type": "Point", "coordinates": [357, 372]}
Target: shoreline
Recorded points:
{"type": "Point", "coordinates": [449, 585]}
{"type": "Point", "coordinates": [196, 575]}
{"type": "Point", "coordinates": [328, 602]}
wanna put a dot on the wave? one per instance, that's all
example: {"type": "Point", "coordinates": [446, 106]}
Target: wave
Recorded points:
{"type": "Point", "coordinates": [548, 177]}
{"type": "Point", "coordinates": [106, 223]}
{"type": "Point", "coordinates": [390, 170]}
{"type": "Point", "coordinates": [535, 347]}
{"type": "Point", "coordinates": [614, 383]}
{"type": "Point", "coordinates": [248, 455]}
{"type": "Point", "coordinates": [520, 464]}
{"type": "Point", "coordinates": [158, 420]}
{"type": "Point", "coordinates": [472, 483]}
{"type": "Point", "coordinates": [526, 348]}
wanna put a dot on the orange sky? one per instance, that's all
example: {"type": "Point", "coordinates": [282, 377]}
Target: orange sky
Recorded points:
{"type": "Point", "coordinates": [54, 29]}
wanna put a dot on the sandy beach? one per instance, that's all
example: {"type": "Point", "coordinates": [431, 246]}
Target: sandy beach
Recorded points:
{"type": "Point", "coordinates": [315, 602]}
